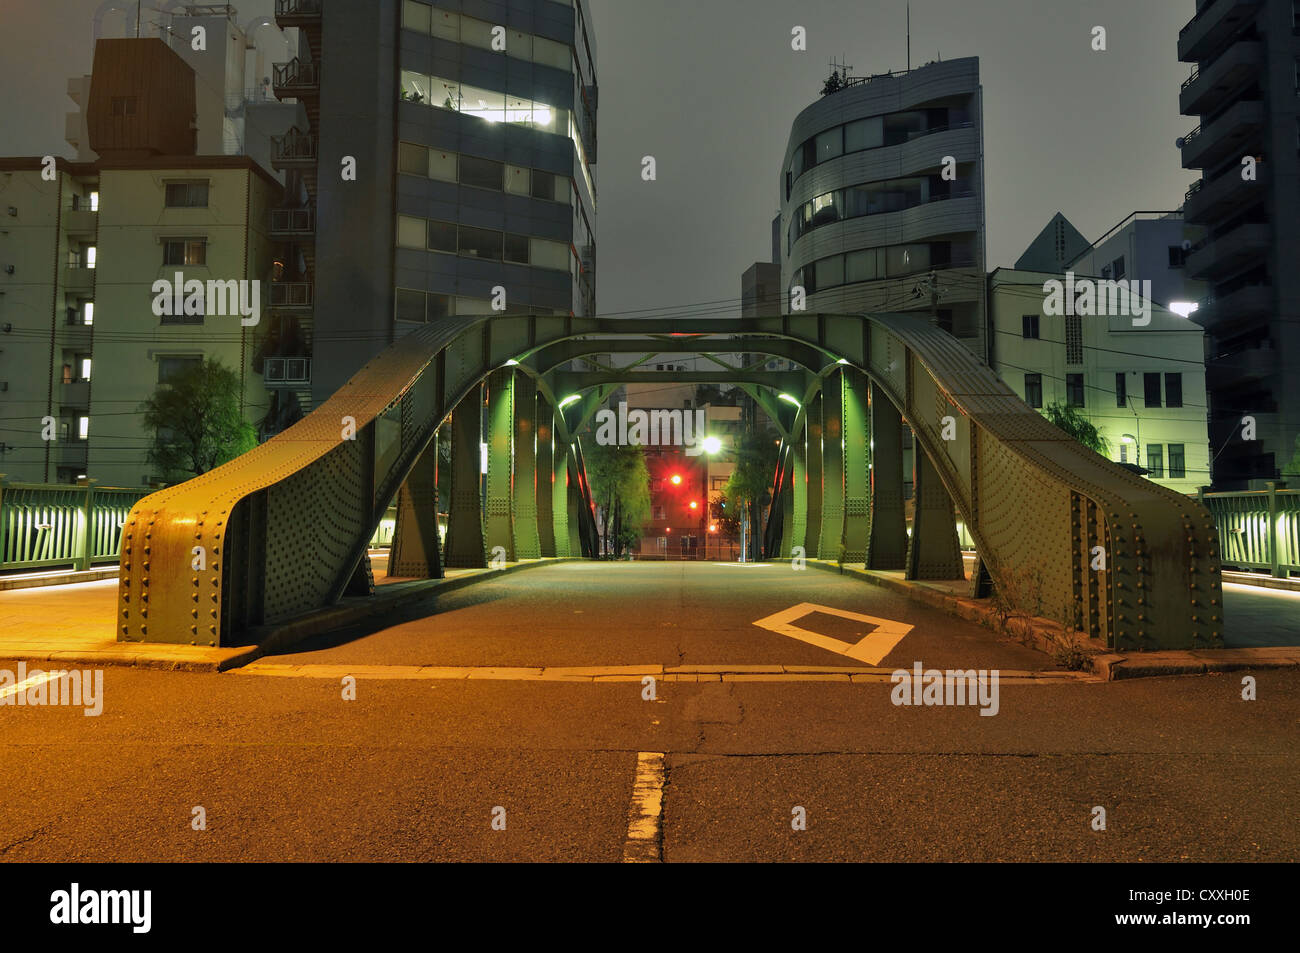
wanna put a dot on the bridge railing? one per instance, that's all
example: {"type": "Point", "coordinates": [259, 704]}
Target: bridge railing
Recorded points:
{"type": "Point", "coordinates": [51, 525]}
{"type": "Point", "coordinates": [1258, 529]}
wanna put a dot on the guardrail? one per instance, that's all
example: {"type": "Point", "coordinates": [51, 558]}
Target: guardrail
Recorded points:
{"type": "Point", "coordinates": [1258, 529]}
{"type": "Point", "coordinates": [45, 526]}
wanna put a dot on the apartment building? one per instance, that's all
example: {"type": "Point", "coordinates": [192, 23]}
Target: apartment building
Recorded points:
{"type": "Point", "coordinates": [1244, 87]}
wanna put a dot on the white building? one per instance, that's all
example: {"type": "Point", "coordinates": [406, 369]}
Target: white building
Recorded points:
{"type": "Point", "coordinates": [1141, 384]}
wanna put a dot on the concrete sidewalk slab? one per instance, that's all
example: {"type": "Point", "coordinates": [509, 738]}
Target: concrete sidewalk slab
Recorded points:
{"type": "Point", "coordinates": [74, 624]}
{"type": "Point", "coordinates": [1048, 635]}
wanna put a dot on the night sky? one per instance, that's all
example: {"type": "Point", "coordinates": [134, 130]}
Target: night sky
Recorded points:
{"type": "Point", "coordinates": [709, 88]}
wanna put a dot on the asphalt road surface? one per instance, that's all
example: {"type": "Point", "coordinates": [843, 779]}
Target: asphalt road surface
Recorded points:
{"type": "Point", "coordinates": [429, 767]}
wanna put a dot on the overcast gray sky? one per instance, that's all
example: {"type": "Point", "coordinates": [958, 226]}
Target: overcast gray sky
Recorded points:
{"type": "Point", "coordinates": [709, 87]}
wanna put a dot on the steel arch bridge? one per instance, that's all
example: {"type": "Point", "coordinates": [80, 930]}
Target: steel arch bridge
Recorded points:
{"type": "Point", "coordinates": [1060, 531]}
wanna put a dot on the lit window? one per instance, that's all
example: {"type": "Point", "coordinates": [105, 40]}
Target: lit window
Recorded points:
{"type": "Point", "coordinates": [90, 257]}
{"type": "Point", "coordinates": [89, 314]}
{"type": "Point", "coordinates": [410, 232]}
{"type": "Point", "coordinates": [83, 427]}
{"type": "Point", "coordinates": [94, 201]}
{"type": "Point", "coordinates": [85, 368]}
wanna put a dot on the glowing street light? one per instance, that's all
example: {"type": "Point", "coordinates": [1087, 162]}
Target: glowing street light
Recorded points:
{"type": "Point", "coordinates": [712, 445]}
{"type": "Point", "coordinates": [571, 399]}
{"type": "Point", "coordinates": [694, 505]}
{"type": "Point", "coordinates": [789, 400]}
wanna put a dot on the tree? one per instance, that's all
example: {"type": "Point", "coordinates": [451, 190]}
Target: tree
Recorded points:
{"type": "Point", "coordinates": [196, 422]}
{"type": "Point", "coordinates": [750, 484]}
{"type": "Point", "coordinates": [620, 487]}
{"type": "Point", "coordinates": [1292, 469]}
{"type": "Point", "coordinates": [1077, 426]}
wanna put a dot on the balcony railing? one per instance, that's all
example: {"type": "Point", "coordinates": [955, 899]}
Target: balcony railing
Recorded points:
{"type": "Point", "coordinates": [286, 370]}
{"type": "Point", "coordinates": [296, 75]}
{"type": "Point", "coordinates": [297, 8]}
{"type": "Point", "coordinates": [292, 294]}
{"type": "Point", "coordinates": [294, 146]}
{"type": "Point", "coordinates": [293, 221]}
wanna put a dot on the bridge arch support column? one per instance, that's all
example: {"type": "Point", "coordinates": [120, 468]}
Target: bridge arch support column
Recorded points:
{"type": "Point", "coordinates": [886, 520]}
{"type": "Point", "coordinates": [933, 552]}
{"type": "Point", "coordinates": [465, 540]}
{"type": "Point", "coordinates": [831, 531]}
{"type": "Point", "coordinates": [527, 539]}
{"type": "Point", "coordinates": [415, 550]}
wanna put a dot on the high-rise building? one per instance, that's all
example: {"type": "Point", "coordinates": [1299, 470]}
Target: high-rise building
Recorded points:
{"type": "Point", "coordinates": [882, 198]}
{"type": "Point", "coordinates": [1244, 87]}
{"type": "Point", "coordinates": [449, 167]}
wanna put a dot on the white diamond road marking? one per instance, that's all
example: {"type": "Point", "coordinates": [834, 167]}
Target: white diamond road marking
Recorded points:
{"type": "Point", "coordinates": [872, 648]}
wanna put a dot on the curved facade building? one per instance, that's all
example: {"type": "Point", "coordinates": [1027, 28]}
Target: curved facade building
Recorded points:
{"type": "Point", "coordinates": [882, 199]}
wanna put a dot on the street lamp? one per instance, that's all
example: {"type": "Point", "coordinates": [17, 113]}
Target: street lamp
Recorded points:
{"type": "Point", "coordinates": [712, 445]}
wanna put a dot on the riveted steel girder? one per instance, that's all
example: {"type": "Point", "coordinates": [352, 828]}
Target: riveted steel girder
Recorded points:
{"type": "Point", "coordinates": [831, 530]}
{"type": "Point", "coordinates": [284, 528]}
{"type": "Point", "coordinates": [887, 517]}
{"type": "Point", "coordinates": [527, 541]}
{"type": "Point", "coordinates": [415, 550]}
{"type": "Point", "coordinates": [499, 508]}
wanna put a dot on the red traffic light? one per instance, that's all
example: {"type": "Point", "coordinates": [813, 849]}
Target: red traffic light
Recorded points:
{"type": "Point", "coordinates": [675, 479]}
{"type": "Point", "coordinates": [694, 505]}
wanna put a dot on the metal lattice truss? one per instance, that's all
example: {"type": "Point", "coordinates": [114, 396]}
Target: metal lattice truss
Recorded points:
{"type": "Point", "coordinates": [1060, 531]}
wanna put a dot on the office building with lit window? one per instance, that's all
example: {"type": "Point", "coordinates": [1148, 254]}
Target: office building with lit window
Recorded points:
{"type": "Point", "coordinates": [449, 167]}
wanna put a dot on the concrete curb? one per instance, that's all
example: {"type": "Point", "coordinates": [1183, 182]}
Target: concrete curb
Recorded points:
{"type": "Point", "coordinates": [268, 639]}
{"type": "Point", "coordinates": [599, 674]}
{"type": "Point", "coordinates": [1261, 582]}
{"type": "Point", "coordinates": [1047, 636]}
{"type": "Point", "coordinates": [1042, 634]}
{"type": "Point", "coordinates": [40, 580]}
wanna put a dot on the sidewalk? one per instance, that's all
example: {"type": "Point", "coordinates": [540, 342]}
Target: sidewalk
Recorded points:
{"type": "Point", "coordinates": [74, 624]}
{"type": "Point", "coordinates": [951, 596]}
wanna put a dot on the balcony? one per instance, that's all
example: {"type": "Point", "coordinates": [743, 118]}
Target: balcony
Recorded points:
{"type": "Point", "coordinates": [1242, 367]}
{"type": "Point", "coordinates": [75, 394]}
{"type": "Point", "coordinates": [294, 150]}
{"type": "Point", "coordinates": [73, 453]}
{"type": "Point", "coordinates": [72, 129]}
{"type": "Point", "coordinates": [286, 371]}
{"type": "Point", "coordinates": [293, 224]}
{"type": "Point", "coordinates": [1214, 22]}
{"type": "Point", "coordinates": [1206, 146]}
{"type": "Point", "coordinates": [296, 79]}
{"type": "Point", "coordinates": [1216, 258]}
{"type": "Point", "coordinates": [81, 223]}
{"type": "Point", "coordinates": [79, 281]}
{"type": "Point", "coordinates": [1207, 202]}
{"type": "Point", "coordinates": [297, 13]}
{"type": "Point", "coordinates": [1246, 305]}
{"type": "Point", "coordinates": [292, 296]}
{"type": "Point", "coordinates": [1207, 89]}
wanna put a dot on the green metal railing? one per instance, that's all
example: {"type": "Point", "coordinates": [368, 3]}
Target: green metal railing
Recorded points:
{"type": "Point", "coordinates": [47, 526]}
{"type": "Point", "coordinates": [1258, 529]}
